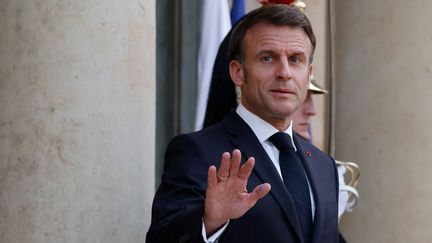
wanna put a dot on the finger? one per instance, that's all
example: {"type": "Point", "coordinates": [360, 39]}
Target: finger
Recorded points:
{"type": "Point", "coordinates": [260, 191]}
{"type": "Point", "coordinates": [235, 162]}
{"type": "Point", "coordinates": [242, 194]}
{"type": "Point", "coordinates": [211, 178]}
{"type": "Point", "coordinates": [246, 169]}
{"type": "Point", "coordinates": [225, 165]}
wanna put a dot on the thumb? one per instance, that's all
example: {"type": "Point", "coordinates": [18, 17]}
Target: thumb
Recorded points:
{"type": "Point", "coordinates": [260, 191]}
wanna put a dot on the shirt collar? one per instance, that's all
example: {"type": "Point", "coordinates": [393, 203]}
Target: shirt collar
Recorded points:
{"type": "Point", "coordinates": [262, 129]}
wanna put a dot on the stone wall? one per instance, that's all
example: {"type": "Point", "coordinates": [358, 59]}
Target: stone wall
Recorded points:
{"type": "Point", "coordinates": [383, 68]}
{"type": "Point", "coordinates": [77, 120]}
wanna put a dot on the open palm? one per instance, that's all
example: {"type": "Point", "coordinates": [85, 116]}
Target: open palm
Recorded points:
{"type": "Point", "coordinates": [227, 197]}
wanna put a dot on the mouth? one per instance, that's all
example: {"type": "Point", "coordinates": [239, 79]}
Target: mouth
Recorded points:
{"type": "Point", "coordinates": [282, 91]}
{"type": "Point", "coordinates": [304, 124]}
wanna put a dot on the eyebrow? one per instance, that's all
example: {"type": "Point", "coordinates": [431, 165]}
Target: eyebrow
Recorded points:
{"type": "Point", "coordinates": [266, 51]}
{"type": "Point", "coordinates": [270, 51]}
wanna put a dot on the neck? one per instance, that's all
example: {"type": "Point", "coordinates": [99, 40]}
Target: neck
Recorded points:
{"type": "Point", "coordinates": [280, 123]}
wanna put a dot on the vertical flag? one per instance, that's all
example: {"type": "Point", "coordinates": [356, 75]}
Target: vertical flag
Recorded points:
{"type": "Point", "coordinates": [215, 25]}
{"type": "Point", "coordinates": [237, 11]}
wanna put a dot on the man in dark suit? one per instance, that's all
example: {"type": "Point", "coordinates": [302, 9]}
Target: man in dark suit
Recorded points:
{"type": "Point", "coordinates": [275, 186]}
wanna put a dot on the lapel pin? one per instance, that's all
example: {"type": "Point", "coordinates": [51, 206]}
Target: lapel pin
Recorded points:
{"type": "Point", "coordinates": [308, 154]}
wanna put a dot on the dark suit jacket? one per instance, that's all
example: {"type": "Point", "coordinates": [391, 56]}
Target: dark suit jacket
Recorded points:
{"type": "Point", "coordinates": [178, 206]}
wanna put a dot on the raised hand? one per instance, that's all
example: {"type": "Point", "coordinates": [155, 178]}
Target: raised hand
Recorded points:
{"type": "Point", "coordinates": [227, 197]}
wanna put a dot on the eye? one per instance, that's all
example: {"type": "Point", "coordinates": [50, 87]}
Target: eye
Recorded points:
{"type": "Point", "coordinates": [296, 59]}
{"type": "Point", "coordinates": [267, 59]}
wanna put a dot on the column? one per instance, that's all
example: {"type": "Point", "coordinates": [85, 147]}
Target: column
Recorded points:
{"type": "Point", "coordinates": [384, 92]}
{"type": "Point", "coordinates": [77, 120]}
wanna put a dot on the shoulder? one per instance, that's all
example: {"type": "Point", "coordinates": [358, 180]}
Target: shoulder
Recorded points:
{"type": "Point", "coordinates": [207, 144]}
{"type": "Point", "coordinates": [215, 134]}
{"type": "Point", "coordinates": [200, 137]}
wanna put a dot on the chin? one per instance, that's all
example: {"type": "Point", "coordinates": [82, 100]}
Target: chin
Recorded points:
{"type": "Point", "coordinates": [283, 110]}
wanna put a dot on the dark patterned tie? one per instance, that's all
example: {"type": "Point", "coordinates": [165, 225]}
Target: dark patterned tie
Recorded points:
{"type": "Point", "coordinates": [295, 180]}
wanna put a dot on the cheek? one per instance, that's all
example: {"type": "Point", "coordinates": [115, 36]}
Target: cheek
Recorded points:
{"type": "Point", "coordinates": [303, 91]}
{"type": "Point", "coordinates": [303, 80]}
{"type": "Point", "coordinates": [253, 83]}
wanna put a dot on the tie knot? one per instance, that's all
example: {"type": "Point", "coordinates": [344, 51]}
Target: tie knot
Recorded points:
{"type": "Point", "coordinates": [282, 141]}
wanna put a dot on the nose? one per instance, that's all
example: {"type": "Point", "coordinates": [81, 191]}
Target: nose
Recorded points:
{"type": "Point", "coordinates": [283, 71]}
{"type": "Point", "coordinates": [309, 107]}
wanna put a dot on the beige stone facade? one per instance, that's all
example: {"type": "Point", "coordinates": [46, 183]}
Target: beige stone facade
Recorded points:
{"type": "Point", "coordinates": [78, 116]}
{"type": "Point", "coordinates": [77, 120]}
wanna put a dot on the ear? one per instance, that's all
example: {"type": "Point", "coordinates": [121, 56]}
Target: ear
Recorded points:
{"type": "Point", "coordinates": [236, 72]}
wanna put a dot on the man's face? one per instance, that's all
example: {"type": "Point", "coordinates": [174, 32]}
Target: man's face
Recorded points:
{"type": "Point", "coordinates": [274, 75]}
{"type": "Point", "coordinates": [302, 117]}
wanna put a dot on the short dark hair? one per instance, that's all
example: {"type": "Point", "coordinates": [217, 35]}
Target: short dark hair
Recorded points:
{"type": "Point", "coordinates": [276, 14]}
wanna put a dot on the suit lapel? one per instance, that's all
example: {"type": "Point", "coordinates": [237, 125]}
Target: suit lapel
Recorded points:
{"type": "Point", "coordinates": [244, 139]}
{"type": "Point", "coordinates": [312, 164]}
